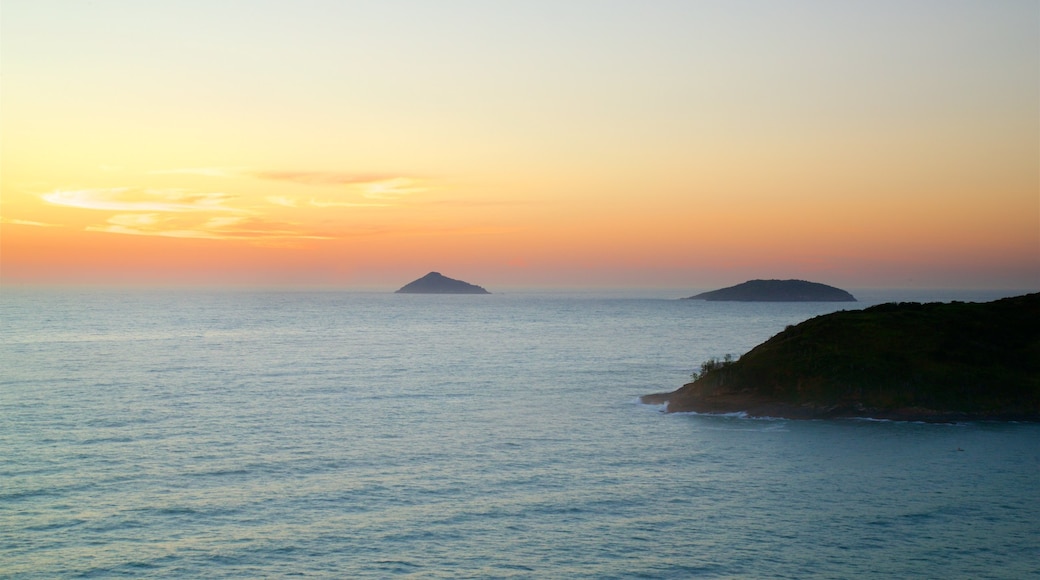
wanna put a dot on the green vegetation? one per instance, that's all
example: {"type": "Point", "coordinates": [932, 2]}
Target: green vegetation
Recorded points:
{"type": "Point", "coordinates": [712, 364]}
{"type": "Point", "coordinates": [907, 359]}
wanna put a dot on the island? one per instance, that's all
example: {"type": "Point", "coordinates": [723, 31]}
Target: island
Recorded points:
{"type": "Point", "coordinates": [937, 362]}
{"type": "Point", "coordinates": [436, 283]}
{"type": "Point", "coordinates": [777, 291]}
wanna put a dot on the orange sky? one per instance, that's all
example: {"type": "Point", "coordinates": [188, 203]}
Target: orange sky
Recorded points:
{"type": "Point", "coordinates": [680, 145]}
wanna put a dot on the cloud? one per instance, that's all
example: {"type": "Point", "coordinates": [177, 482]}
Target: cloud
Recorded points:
{"type": "Point", "coordinates": [186, 213]}
{"type": "Point", "coordinates": [294, 202]}
{"type": "Point", "coordinates": [283, 201]}
{"type": "Point", "coordinates": [147, 200]}
{"type": "Point", "coordinates": [214, 228]}
{"type": "Point", "coordinates": [329, 204]}
{"type": "Point", "coordinates": [369, 185]}
{"type": "Point", "coordinates": [18, 222]}
{"type": "Point", "coordinates": [321, 177]}
{"type": "Point", "coordinates": [377, 186]}
{"type": "Point", "coordinates": [391, 188]}
{"type": "Point", "coordinates": [153, 224]}
{"type": "Point", "coordinates": [203, 171]}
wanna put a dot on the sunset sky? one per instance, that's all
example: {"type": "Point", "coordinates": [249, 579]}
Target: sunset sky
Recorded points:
{"type": "Point", "coordinates": [680, 144]}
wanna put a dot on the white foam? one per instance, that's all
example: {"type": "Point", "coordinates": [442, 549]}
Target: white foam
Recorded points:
{"type": "Point", "coordinates": [657, 407]}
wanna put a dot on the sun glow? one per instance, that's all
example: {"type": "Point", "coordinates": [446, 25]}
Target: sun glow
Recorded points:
{"type": "Point", "coordinates": [674, 157]}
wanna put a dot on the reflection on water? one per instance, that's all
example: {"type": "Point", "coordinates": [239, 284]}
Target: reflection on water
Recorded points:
{"type": "Point", "coordinates": [367, 435]}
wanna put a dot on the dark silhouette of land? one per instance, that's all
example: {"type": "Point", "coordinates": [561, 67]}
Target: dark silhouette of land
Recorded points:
{"type": "Point", "coordinates": [777, 291]}
{"type": "Point", "coordinates": [435, 283]}
{"type": "Point", "coordinates": [907, 361]}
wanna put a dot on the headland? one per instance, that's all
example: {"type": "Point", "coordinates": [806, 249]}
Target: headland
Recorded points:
{"type": "Point", "coordinates": [903, 361]}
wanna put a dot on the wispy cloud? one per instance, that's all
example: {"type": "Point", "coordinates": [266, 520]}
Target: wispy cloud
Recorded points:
{"type": "Point", "coordinates": [283, 201]}
{"type": "Point", "coordinates": [332, 203]}
{"type": "Point", "coordinates": [215, 228]}
{"type": "Point", "coordinates": [18, 222]}
{"type": "Point", "coordinates": [149, 225]}
{"type": "Point", "coordinates": [321, 177]}
{"type": "Point", "coordinates": [382, 191]}
{"type": "Point", "coordinates": [391, 188]}
{"type": "Point", "coordinates": [295, 202]}
{"type": "Point", "coordinates": [143, 200]}
{"type": "Point", "coordinates": [382, 186]}
{"type": "Point", "coordinates": [187, 213]}
{"type": "Point", "coordinates": [203, 171]}
{"type": "Point", "coordinates": [369, 185]}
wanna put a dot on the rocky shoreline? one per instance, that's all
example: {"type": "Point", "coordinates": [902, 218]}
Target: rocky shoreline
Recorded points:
{"type": "Point", "coordinates": [760, 408]}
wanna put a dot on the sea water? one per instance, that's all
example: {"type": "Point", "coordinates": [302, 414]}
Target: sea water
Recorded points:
{"type": "Point", "coordinates": [257, 434]}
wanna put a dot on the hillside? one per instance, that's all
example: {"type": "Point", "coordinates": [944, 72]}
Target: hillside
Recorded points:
{"type": "Point", "coordinates": [937, 361]}
{"type": "Point", "coordinates": [777, 291]}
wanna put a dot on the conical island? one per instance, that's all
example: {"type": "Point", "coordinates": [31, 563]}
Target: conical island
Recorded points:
{"type": "Point", "coordinates": [436, 283]}
{"type": "Point", "coordinates": [777, 291]}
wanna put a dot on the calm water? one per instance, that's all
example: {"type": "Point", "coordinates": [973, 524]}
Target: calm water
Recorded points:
{"type": "Point", "coordinates": [267, 434]}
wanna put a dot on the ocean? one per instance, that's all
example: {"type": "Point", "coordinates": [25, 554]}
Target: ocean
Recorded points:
{"type": "Point", "coordinates": [194, 433]}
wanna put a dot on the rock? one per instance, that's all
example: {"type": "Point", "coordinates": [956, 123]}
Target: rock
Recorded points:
{"type": "Point", "coordinates": [907, 361]}
{"type": "Point", "coordinates": [435, 283]}
{"type": "Point", "coordinates": [778, 291]}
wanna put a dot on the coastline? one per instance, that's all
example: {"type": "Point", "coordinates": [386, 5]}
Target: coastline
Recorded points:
{"type": "Point", "coordinates": [763, 408]}
{"type": "Point", "coordinates": [933, 362]}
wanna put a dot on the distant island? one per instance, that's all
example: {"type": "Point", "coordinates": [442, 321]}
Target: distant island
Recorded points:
{"type": "Point", "coordinates": [907, 361]}
{"type": "Point", "coordinates": [436, 283]}
{"type": "Point", "coordinates": [777, 291]}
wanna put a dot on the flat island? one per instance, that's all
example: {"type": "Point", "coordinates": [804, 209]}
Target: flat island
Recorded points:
{"type": "Point", "coordinates": [777, 291]}
{"type": "Point", "coordinates": [436, 283]}
{"type": "Point", "coordinates": [907, 361]}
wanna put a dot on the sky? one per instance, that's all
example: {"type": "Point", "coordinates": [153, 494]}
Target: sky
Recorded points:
{"type": "Point", "coordinates": [564, 143]}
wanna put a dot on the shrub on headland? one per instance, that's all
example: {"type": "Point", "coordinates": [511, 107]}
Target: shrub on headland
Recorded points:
{"type": "Point", "coordinates": [712, 364]}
